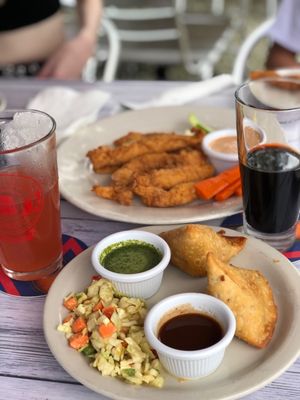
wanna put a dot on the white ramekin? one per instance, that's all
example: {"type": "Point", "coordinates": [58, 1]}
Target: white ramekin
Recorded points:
{"type": "Point", "coordinates": [144, 284]}
{"type": "Point", "coordinates": [197, 363]}
{"type": "Point", "coordinates": [220, 161]}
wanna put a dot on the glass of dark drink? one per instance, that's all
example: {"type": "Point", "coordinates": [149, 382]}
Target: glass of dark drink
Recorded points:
{"type": "Point", "coordinates": [268, 126]}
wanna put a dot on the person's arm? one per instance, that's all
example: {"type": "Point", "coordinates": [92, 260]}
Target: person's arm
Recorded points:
{"type": "Point", "coordinates": [285, 34]}
{"type": "Point", "coordinates": [69, 60]}
{"type": "Point", "coordinates": [281, 57]}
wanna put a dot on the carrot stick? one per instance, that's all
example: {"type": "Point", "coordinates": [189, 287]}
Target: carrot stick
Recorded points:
{"type": "Point", "coordinates": [78, 325]}
{"type": "Point", "coordinates": [258, 74]}
{"type": "Point", "coordinates": [107, 330]}
{"type": "Point", "coordinates": [208, 188]}
{"type": "Point", "coordinates": [78, 341]}
{"type": "Point", "coordinates": [228, 191]}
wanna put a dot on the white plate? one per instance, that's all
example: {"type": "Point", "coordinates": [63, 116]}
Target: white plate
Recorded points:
{"type": "Point", "coordinates": [77, 178]}
{"type": "Point", "coordinates": [244, 369]}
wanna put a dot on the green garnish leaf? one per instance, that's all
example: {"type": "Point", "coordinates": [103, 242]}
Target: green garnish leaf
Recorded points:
{"type": "Point", "coordinates": [195, 123]}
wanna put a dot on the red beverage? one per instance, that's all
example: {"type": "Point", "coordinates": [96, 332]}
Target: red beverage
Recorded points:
{"type": "Point", "coordinates": [30, 233]}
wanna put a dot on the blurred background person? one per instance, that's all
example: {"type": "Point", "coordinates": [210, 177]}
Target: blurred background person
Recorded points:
{"type": "Point", "coordinates": [33, 40]}
{"type": "Point", "coordinates": [285, 35]}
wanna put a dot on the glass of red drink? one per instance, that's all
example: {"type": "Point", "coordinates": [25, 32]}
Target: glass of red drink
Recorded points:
{"type": "Point", "coordinates": [30, 231]}
{"type": "Point", "coordinates": [268, 126]}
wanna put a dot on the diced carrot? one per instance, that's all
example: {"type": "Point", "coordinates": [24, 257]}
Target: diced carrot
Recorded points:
{"type": "Point", "coordinates": [208, 188]}
{"type": "Point", "coordinates": [108, 311]}
{"type": "Point", "coordinates": [238, 191]}
{"type": "Point", "coordinates": [70, 303]}
{"type": "Point", "coordinates": [98, 306]}
{"type": "Point", "coordinates": [78, 340]}
{"type": "Point", "coordinates": [228, 191]}
{"type": "Point", "coordinates": [298, 230]}
{"type": "Point", "coordinates": [68, 318]}
{"type": "Point", "coordinates": [107, 330]}
{"type": "Point", "coordinates": [78, 325]}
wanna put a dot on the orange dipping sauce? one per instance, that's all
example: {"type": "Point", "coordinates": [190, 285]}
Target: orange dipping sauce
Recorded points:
{"type": "Point", "coordinates": [226, 144]}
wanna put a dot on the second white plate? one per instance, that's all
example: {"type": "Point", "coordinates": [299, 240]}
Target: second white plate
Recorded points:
{"type": "Point", "coordinates": [77, 178]}
{"type": "Point", "coordinates": [244, 368]}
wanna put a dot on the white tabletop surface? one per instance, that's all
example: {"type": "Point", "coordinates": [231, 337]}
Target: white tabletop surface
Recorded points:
{"type": "Point", "coordinates": [27, 368]}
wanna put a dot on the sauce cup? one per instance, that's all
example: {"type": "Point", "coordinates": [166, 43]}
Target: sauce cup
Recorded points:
{"type": "Point", "coordinates": [190, 364]}
{"type": "Point", "coordinates": [220, 159]}
{"type": "Point", "coordinates": [253, 135]}
{"type": "Point", "coordinates": [142, 284]}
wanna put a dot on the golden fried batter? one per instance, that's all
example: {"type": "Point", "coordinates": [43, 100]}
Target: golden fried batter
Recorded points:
{"type": "Point", "coordinates": [180, 194]}
{"type": "Point", "coordinates": [144, 163]}
{"type": "Point", "coordinates": [166, 178]}
{"type": "Point", "coordinates": [168, 163]}
{"type": "Point", "coordinates": [190, 245]}
{"type": "Point", "coordinates": [129, 138]}
{"type": "Point", "coordinates": [105, 156]}
{"type": "Point", "coordinates": [249, 296]}
{"type": "Point", "coordinates": [122, 195]}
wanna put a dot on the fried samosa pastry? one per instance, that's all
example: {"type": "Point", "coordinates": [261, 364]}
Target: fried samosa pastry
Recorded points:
{"type": "Point", "coordinates": [191, 244]}
{"type": "Point", "coordinates": [249, 295]}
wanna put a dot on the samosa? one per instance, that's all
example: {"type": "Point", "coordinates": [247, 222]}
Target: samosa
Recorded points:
{"type": "Point", "coordinates": [190, 245]}
{"type": "Point", "coordinates": [249, 295]}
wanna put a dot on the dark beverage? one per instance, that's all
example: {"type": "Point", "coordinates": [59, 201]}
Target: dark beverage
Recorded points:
{"type": "Point", "coordinates": [271, 188]}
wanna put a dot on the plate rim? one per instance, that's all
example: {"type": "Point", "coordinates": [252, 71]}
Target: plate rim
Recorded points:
{"type": "Point", "coordinates": [271, 376]}
{"type": "Point", "coordinates": [219, 210]}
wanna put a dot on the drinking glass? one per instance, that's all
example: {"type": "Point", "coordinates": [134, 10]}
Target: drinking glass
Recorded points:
{"type": "Point", "coordinates": [268, 127]}
{"type": "Point", "coordinates": [30, 231]}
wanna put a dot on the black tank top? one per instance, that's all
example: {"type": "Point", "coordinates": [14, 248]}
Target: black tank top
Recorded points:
{"type": "Point", "coordinates": [19, 13]}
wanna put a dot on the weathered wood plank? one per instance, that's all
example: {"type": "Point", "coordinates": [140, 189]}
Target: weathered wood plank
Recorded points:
{"type": "Point", "coordinates": [20, 389]}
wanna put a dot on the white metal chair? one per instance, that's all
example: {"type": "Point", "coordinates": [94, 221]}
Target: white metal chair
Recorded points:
{"type": "Point", "coordinates": [206, 36]}
{"type": "Point", "coordinates": [246, 48]}
{"type": "Point", "coordinates": [167, 33]}
{"type": "Point", "coordinates": [147, 30]}
{"type": "Point", "coordinates": [108, 54]}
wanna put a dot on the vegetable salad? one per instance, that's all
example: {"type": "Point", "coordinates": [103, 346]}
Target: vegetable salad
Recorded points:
{"type": "Point", "coordinates": [108, 329]}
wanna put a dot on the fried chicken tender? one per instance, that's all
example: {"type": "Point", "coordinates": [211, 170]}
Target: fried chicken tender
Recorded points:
{"type": "Point", "coordinates": [129, 138]}
{"type": "Point", "coordinates": [105, 156]}
{"type": "Point", "coordinates": [249, 295]}
{"type": "Point", "coordinates": [126, 173]}
{"type": "Point", "coordinates": [167, 163]}
{"type": "Point", "coordinates": [180, 194]}
{"type": "Point", "coordinates": [121, 194]}
{"type": "Point", "coordinates": [190, 245]}
{"type": "Point", "coordinates": [168, 177]}
{"type": "Point", "coordinates": [145, 174]}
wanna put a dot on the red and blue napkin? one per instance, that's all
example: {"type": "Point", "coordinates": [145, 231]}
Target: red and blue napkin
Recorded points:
{"type": "Point", "coordinates": [71, 248]}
